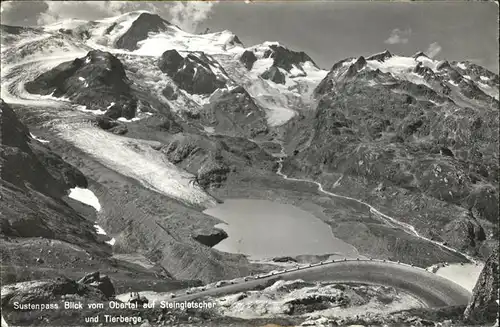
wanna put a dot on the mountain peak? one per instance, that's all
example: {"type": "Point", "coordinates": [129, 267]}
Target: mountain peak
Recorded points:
{"type": "Point", "coordinates": [359, 64]}
{"type": "Point", "coordinates": [381, 56]}
{"type": "Point", "coordinates": [144, 24]}
{"type": "Point", "coordinates": [282, 56]}
{"type": "Point", "coordinates": [420, 54]}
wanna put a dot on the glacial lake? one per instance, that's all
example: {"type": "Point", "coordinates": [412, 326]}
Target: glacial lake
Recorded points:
{"type": "Point", "coordinates": [264, 229]}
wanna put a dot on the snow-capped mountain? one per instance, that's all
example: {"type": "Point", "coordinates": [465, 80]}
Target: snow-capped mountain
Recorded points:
{"type": "Point", "coordinates": [280, 80]}
{"type": "Point", "coordinates": [457, 79]}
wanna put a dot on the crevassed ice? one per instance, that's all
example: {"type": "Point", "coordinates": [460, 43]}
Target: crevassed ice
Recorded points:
{"type": "Point", "coordinates": [136, 160]}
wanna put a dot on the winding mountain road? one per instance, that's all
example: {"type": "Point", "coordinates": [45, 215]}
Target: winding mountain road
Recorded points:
{"type": "Point", "coordinates": [387, 219]}
{"type": "Point", "coordinates": [432, 290]}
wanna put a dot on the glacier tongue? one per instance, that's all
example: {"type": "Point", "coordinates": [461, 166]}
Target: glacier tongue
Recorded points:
{"type": "Point", "coordinates": [132, 158]}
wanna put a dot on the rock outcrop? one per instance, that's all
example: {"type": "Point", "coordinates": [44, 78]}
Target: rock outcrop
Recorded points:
{"type": "Point", "coordinates": [170, 61]}
{"type": "Point", "coordinates": [98, 81]}
{"type": "Point", "coordinates": [380, 56]}
{"type": "Point", "coordinates": [273, 74]}
{"type": "Point", "coordinates": [210, 237]}
{"type": "Point", "coordinates": [161, 123]}
{"type": "Point", "coordinates": [483, 306]}
{"type": "Point", "coordinates": [285, 58]}
{"type": "Point", "coordinates": [213, 172]}
{"type": "Point", "coordinates": [101, 282]}
{"type": "Point", "coordinates": [235, 113]}
{"type": "Point", "coordinates": [48, 291]}
{"type": "Point", "coordinates": [420, 54]}
{"type": "Point", "coordinates": [169, 93]}
{"type": "Point", "coordinates": [111, 125]}
{"type": "Point", "coordinates": [464, 233]}
{"type": "Point", "coordinates": [196, 73]}
{"type": "Point", "coordinates": [359, 64]}
{"type": "Point", "coordinates": [248, 58]}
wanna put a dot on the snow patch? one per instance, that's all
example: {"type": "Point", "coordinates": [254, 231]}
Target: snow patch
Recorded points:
{"type": "Point", "coordinates": [465, 275]}
{"type": "Point", "coordinates": [125, 120]}
{"type": "Point", "coordinates": [99, 230]}
{"type": "Point", "coordinates": [461, 66]}
{"type": "Point", "coordinates": [484, 78]}
{"type": "Point", "coordinates": [38, 139]}
{"type": "Point", "coordinates": [208, 129]}
{"type": "Point", "coordinates": [86, 196]}
{"type": "Point", "coordinates": [295, 71]}
{"type": "Point", "coordinates": [84, 109]}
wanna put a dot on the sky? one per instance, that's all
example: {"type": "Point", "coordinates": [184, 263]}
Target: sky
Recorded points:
{"type": "Point", "coordinates": [328, 31]}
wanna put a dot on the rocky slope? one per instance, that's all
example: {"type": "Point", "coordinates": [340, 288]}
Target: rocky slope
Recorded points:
{"type": "Point", "coordinates": [42, 229]}
{"type": "Point", "coordinates": [483, 306]}
{"type": "Point", "coordinates": [34, 180]}
{"type": "Point", "coordinates": [396, 128]}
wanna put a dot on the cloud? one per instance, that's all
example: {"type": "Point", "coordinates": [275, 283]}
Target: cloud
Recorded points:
{"type": "Point", "coordinates": [433, 49]}
{"type": "Point", "coordinates": [399, 36]}
{"type": "Point", "coordinates": [89, 10]}
{"type": "Point", "coordinates": [188, 15]}
{"type": "Point", "coordinates": [21, 12]}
